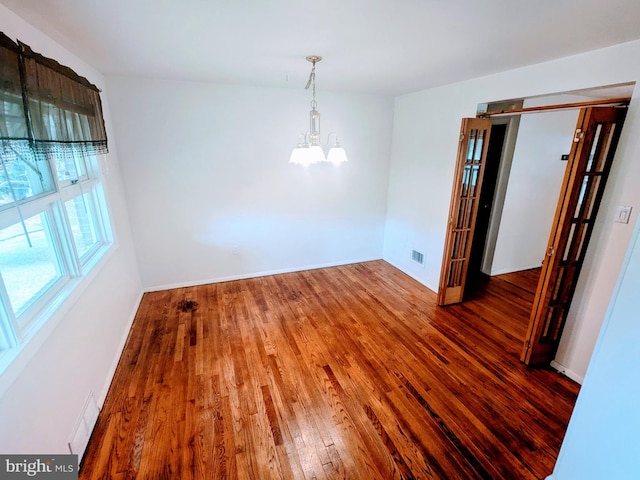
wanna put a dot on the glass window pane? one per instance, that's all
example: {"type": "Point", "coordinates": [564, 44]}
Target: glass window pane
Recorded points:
{"type": "Point", "coordinates": [21, 175]}
{"type": "Point", "coordinates": [601, 146]}
{"type": "Point", "coordinates": [28, 271]}
{"type": "Point", "coordinates": [479, 146]}
{"type": "Point", "coordinates": [592, 153]}
{"type": "Point", "coordinates": [70, 168]}
{"type": "Point", "coordinates": [82, 223]}
{"type": "Point", "coordinates": [472, 146]}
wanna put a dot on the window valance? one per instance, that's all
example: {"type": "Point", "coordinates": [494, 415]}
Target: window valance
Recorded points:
{"type": "Point", "coordinates": [46, 108]}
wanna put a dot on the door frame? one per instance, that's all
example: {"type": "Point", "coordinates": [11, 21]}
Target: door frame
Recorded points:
{"type": "Point", "coordinates": [504, 171]}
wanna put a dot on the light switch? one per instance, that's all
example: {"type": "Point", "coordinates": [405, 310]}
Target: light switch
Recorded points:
{"type": "Point", "coordinates": [623, 212]}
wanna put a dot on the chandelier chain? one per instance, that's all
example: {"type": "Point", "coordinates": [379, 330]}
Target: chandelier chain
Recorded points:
{"type": "Point", "coordinates": [312, 82]}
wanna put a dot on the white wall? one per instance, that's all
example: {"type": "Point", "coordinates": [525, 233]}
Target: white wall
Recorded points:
{"type": "Point", "coordinates": [602, 439]}
{"type": "Point", "coordinates": [210, 190]}
{"type": "Point", "coordinates": [533, 189]}
{"type": "Point", "coordinates": [43, 391]}
{"type": "Point", "coordinates": [425, 139]}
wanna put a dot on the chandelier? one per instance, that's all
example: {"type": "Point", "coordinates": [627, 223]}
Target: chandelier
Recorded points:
{"type": "Point", "coordinates": [309, 149]}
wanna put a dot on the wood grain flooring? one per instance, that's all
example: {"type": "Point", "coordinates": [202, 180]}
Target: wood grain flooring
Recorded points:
{"type": "Point", "coordinates": [348, 372]}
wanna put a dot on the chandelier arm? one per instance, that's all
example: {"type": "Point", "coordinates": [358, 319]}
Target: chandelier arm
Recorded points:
{"type": "Point", "coordinates": [329, 139]}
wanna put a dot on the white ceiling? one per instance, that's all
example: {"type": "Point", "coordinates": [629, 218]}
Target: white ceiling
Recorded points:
{"type": "Point", "coordinates": [376, 46]}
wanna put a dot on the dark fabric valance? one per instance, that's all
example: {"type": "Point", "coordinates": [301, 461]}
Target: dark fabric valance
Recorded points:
{"type": "Point", "coordinates": [47, 108]}
{"type": "Point", "coordinates": [13, 124]}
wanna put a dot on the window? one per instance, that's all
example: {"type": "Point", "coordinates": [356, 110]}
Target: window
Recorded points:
{"type": "Point", "coordinates": [54, 225]}
{"type": "Point", "coordinates": [61, 235]}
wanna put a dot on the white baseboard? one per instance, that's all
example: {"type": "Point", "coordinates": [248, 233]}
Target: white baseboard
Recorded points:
{"type": "Point", "coordinates": [230, 278]}
{"type": "Point", "coordinates": [520, 268]}
{"type": "Point", "coordinates": [120, 349]}
{"type": "Point", "coordinates": [567, 372]}
{"type": "Point", "coordinates": [404, 269]}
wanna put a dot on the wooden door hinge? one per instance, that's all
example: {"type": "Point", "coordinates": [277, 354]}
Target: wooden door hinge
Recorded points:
{"type": "Point", "coordinates": [579, 135]}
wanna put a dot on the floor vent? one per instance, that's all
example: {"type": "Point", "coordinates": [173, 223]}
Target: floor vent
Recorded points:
{"type": "Point", "coordinates": [84, 427]}
{"type": "Point", "coordinates": [417, 257]}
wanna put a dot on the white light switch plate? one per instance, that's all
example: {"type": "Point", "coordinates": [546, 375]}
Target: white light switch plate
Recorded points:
{"type": "Point", "coordinates": [623, 213]}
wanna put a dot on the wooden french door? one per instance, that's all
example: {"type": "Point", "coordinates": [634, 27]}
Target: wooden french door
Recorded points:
{"type": "Point", "coordinates": [592, 152]}
{"type": "Point", "coordinates": [467, 183]}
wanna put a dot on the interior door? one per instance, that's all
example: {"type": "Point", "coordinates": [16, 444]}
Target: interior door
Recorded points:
{"type": "Point", "coordinates": [467, 183]}
{"type": "Point", "coordinates": [592, 152]}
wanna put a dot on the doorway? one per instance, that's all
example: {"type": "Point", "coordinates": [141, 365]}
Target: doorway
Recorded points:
{"type": "Point", "coordinates": [478, 276]}
{"type": "Point", "coordinates": [478, 229]}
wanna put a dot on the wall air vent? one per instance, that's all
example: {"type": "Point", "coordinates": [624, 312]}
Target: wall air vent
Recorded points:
{"type": "Point", "coordinates": [417, 257]}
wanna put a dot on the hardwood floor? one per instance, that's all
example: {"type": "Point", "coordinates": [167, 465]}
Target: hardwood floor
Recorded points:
{"type": "Point", "coordinates": [347, 372]}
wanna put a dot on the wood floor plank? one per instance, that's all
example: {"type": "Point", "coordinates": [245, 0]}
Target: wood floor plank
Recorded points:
{"type": "Point", "coordinates": [350, 372]}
